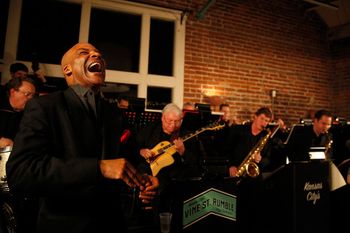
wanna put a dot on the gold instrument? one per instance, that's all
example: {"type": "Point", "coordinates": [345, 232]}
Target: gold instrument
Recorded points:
{"type": "Point", "coordinates": [328, 145]}
{"type": "Point", "coordinates": [248, 166]}
{"type": "Point", "coordinates": [164, 150]}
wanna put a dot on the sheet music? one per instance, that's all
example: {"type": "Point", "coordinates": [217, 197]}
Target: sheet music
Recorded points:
{"type": "Point", "coordinates": [336, 178]}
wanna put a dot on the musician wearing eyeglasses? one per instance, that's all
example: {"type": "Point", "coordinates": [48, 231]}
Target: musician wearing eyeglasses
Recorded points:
{"type": "Point", "coordinates": [13, 99]}
{"type": "Point", "coordinates": [162, 145]}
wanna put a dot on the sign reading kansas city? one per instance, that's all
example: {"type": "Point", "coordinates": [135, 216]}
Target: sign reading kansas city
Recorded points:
{"type": "Point", "coordinates": [211, 201]}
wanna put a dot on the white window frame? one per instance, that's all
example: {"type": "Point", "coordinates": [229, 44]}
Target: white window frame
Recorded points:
{"type": "Point", "coordinates": [142, 79]}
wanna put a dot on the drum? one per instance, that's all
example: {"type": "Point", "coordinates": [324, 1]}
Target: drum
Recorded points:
{"type": "Point", "coordinates": [4, 156]}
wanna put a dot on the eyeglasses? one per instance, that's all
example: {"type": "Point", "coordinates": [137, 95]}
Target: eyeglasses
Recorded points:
{"type": "Point", "coordinates": [175, 122]}
{"type": "Point", "coordinates": [27, 93]}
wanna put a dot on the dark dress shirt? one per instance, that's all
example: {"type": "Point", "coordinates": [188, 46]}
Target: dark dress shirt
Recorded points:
{"type": "Point", "coordinates": [240, 142]}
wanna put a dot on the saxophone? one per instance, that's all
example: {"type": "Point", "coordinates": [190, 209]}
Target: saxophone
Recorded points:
{"type": "Point", "coordinates": [328, 145]}
{"type": "Point", "coordinates": [248, 166]}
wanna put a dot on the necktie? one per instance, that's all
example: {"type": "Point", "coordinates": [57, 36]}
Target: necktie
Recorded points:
{"type": "Point", "coordinates": [91, 104]}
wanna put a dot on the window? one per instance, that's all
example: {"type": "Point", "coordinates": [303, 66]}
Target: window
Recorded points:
{"type": "Point", "coordinates": [161, 47]}
{"type": "Point", "coordinates": [143, 45]}
{"type": "Point", "coordinates": [153, 100]}
{"type": "Point", "coordinates": [4, 6]}
{"type": "Point", "coordinates": [44, 34]}
{"type": "Point", "coordinates": [121, 48]}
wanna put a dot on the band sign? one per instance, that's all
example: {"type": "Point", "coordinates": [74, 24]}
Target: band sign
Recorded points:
{"type": "Point", "coordinates": [211, 201]}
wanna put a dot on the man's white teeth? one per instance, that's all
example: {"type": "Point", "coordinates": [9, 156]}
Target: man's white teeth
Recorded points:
{"type": "Point", "coordinates": [95, 67]}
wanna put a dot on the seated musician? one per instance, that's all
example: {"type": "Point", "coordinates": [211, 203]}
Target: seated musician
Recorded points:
{"type": "Point", "coordinates": [17, 92]}
{"type": "Point", "coordinates": [226, 117]}
{"type": "Point", "coordinates": [315, 135]}
{"type": "Point", "coordinates": [242, 140]}
{"type": "Point", "coordinates": [169, 130]}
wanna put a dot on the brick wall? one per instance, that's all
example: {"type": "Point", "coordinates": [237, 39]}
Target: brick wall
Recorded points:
{"type": "Point", "coordinates": [341, 75]}
{"type": "Point", "coordinates": [243, 49]}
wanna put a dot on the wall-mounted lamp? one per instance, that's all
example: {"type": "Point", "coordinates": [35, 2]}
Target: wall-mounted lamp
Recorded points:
{"type": "Point", "coordinates": [273, 96]}
{"type": "Point", "coordinates": [273, 93]}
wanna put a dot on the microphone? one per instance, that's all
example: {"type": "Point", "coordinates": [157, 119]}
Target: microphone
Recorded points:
{"type": "Point", "coordinates": [125, 136]}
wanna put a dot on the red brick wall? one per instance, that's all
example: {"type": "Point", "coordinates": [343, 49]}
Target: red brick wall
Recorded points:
{"type": "Point", "coordinates": [341, 75]}
{"type": "Point", "coordinates": [242, 49]}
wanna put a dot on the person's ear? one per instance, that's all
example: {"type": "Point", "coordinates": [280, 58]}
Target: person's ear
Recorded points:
{"type": "Point", "coordinates": [67, 70]}
{"type": "Point", "coordinates": [12, 90]}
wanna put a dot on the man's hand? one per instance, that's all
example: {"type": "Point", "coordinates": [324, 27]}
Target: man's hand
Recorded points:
{"type": "Point", "coordinates": [151, 190]}
{"type": "Point", "coordinates": [146, 153]}
{"type": "Point", "coordinates": [257, 157]}
{"type": "Point", "coordinates": [179, 145]}
{"type": "Point", "coordinates": [4, 142]}
{"type": "Point", "coordinates": [233, 171]}
{"type": "Point", "coordinates": [122, 169]}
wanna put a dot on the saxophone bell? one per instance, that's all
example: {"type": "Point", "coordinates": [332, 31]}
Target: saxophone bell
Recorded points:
{"type": "Point", "coordinates": [252, 169]}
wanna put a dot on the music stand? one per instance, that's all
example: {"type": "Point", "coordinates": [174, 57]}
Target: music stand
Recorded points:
{"type": "Point", "coordinates": [195, 119]}
{"type": "Point", "coordinates": [297, 144]}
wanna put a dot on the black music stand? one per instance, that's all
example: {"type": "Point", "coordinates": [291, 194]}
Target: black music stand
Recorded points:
{"type": "Point", "coordinates": [137, 104]}
{"type": "Point", "coordinates": [298, 143]}
{"type": "Point", "coordinates": [297, 198]}
{"type": "Point", "coordinates": [195, 119]}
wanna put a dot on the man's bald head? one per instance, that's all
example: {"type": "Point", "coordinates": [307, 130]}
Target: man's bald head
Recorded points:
{"type": "Point", "coordinates": [83, 64]}
{"type": "Point", "coordinates": [68, 56]}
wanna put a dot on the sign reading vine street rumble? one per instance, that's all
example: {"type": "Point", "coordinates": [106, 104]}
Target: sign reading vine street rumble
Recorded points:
{"type": "Point", "coordinates": [211, 201]}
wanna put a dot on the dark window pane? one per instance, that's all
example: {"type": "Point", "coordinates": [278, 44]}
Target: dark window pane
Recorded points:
{"type": "Point", "coordinates": [161, 47]}
{"type": "Point", "coordinates": [48, 29]}
{"type": "Point", "coordinates": [158, 97]}
{"type": "Point", "coordinates": [4, 9]}
{"type": "Point", "coordinates": [117, 35]}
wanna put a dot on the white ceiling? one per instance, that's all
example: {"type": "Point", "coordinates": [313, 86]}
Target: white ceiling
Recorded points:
{"type": "Point", "coordinates": [335, 14]}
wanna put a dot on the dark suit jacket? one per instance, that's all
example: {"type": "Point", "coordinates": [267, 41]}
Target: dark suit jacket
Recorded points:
{"type": "Point", "coordinates": [55, 158]}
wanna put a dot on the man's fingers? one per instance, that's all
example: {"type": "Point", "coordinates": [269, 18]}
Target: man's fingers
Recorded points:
{"type": "Point", "coordinates": [135, 177]}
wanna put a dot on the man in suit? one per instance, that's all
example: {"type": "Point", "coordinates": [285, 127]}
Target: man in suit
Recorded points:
{"type": "Point", "coordinates": [67, 153]}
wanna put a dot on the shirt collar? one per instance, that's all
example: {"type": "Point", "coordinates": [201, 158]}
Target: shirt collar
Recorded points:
{"type": "Point", "coordinates": [82, 91]}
